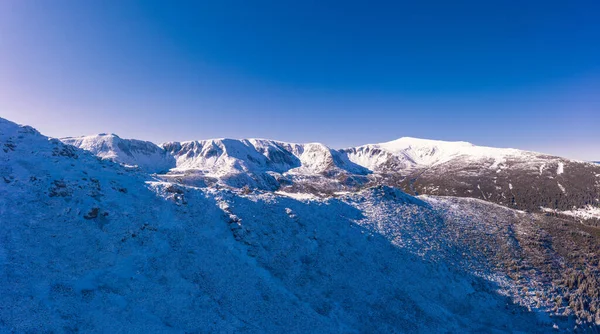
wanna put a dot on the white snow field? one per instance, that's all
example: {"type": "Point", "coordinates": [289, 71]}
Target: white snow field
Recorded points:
{"type": "Point", "coordinates": [130, 152]}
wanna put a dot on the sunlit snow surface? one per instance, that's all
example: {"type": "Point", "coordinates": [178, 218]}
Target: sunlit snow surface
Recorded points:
{"type": "Point", "coordinates": [146, 155]}
{"type": "Point", "coordinates": [589, 212]}
{"type": "Point", "coordinates": [430, 152]}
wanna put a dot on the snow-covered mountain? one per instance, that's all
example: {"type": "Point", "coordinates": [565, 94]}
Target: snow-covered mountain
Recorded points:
{"type": "Point", "coordinates": [413, 153]}
{"type": "Point", "coordinates": [514, 178]}
{"type": "Point", "coordinates": [89, 245]}
{"type": "Point", "coordinates": [222, 156]}
{"type": "Point", "coordinates": [258, 163]}
{"type": "Point", "coordinates": [131, 152]}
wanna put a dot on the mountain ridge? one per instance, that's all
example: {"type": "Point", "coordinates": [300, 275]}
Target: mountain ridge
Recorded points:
{"type": "Point", "coordinates": [392, 145]}
{"type": "Point", "coordinates": [514, 178]}
{"type": "Point", "coordinates": [144, 154]}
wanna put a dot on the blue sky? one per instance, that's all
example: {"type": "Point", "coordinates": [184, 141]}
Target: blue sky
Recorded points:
{"type": "Point", "coordinates": [522, 74]}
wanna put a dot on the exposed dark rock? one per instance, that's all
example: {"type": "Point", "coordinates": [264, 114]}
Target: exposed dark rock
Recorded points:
{"type": "Point", "coordinates": [93, 213]}
{"type": "Point", "coordinates": [59, 188]}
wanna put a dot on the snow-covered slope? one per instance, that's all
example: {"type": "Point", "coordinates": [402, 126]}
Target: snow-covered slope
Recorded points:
{"type": "Point", "coordinates": [259, 163]}
{"type": "Point", "coordinates": [88, 245]}
{"type": "Point", "coordinates": [131, 152]}
{"type": "Point", "coordinates": [413, 152]}
{"type": "Point", "coordinates": [223, 156]}
{"type": "Point", "coordinates": [218, 157]}
{"type": "Point", "coordinates": [514, 178]}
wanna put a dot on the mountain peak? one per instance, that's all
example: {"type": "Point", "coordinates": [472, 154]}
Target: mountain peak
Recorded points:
{"type": "Point", "coordinates": [132, 152]}
{"type": "Point", "coordinates": [404, 142]}
{"type": "Point", "coordinates": [8, 128]}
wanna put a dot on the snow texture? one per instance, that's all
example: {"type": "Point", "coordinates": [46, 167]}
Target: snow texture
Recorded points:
{"type": "Point", "coordinates": [131, 152]}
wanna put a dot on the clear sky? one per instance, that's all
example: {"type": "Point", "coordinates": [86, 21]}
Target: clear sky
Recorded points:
{"type": "Point", "coordinates": [522, 74]}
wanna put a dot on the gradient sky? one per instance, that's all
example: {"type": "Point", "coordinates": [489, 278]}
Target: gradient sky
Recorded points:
{"type": "Point", "coordinates": [522, 74]}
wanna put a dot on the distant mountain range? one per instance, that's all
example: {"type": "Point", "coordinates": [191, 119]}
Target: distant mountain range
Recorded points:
{"type": "Point", "coordinates": [514, 178]}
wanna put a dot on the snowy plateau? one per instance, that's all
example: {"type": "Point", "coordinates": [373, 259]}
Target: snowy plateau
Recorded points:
{"type": "Point", "coordinates": [102, 234]}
